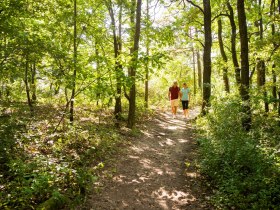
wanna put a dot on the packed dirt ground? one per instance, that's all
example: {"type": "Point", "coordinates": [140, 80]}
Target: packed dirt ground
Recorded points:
{"type": "Point", "coordinates": [156, 171]}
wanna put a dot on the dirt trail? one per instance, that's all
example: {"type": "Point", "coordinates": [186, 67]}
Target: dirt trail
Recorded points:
{"type": "Point", "coordinates": [152, 173]}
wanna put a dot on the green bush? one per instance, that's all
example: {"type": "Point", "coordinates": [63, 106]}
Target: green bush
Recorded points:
{"type": "Point", "coordinates": [44, 169]}
{"type": "Point", "coordinates": [242, 166]}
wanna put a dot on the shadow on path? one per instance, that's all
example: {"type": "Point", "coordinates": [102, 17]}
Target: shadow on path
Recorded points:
{"type": "Point", "coordinates": [153, 173]}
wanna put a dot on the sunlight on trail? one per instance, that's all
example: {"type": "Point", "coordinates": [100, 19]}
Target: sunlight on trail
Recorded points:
{"type": "Point", "coordinates": [152, 175]}
{"type": "Point", "coordinates": [179, 197]}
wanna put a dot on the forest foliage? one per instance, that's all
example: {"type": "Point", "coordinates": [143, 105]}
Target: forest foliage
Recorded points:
{"type": "Point", "coordinates": [73, 72]}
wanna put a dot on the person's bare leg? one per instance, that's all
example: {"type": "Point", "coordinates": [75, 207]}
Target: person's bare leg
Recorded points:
{"type": "Point", "coordinates": [172, 110]}
{"type": "Point", "coordinates": [175, 110]}
{"type": "Point", "coordinates": [187, 113]}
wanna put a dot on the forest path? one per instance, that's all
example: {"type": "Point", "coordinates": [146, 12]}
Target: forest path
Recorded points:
{"type": "Point", "coordinates": [152, 173]}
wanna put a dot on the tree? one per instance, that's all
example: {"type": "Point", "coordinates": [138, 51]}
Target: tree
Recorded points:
{"type": "Point", "coordinates": [207, 56]}
{"type": "Point", "coordinates": [117, 52]}
{"type": "Point", "coordinates": [75, 55]}
{"type": "Point", "coordinates": [133, 67]}
{"type": "Point", "coordinates": [245, 79]}
{"type": "Point", "coordinates": [233, 45]}
{"type": "Point", "coordinates": [147, 55]}
{"type": "Point", "coordinates": [224, 56]}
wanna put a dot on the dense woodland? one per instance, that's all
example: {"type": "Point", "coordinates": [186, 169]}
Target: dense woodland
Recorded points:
{"type": "Point", "coordinates": [72, 73]}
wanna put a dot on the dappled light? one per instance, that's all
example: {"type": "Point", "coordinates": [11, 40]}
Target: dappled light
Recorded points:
{"type": "Point", "coordinates": [152, 175]}
{"type": "Point", "coordinates": [139, 104]}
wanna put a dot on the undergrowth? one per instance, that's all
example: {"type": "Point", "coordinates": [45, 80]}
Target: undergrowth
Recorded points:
{"type": "Point", "coordinates": [243, 167]}
{"type": "Point", "coordinates": [42, 160]}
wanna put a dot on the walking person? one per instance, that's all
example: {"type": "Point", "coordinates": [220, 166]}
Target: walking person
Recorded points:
{"type": "Point", "coordinates": [173, 96]}
{"type": "Point", "coordinates": [185, 97]}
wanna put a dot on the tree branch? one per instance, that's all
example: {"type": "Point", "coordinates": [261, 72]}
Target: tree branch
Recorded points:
{"type": "Point", "coordinates": [195, 5]}
{"type": "Point", "coordinates": [219, 15]}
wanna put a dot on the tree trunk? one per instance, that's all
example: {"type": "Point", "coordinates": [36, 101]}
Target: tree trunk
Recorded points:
{"type": "Point", "coordinates": [33, 83]}
{"type": "Point", "coordinates": [261, 65]}
{"type": "Point", "coordinates": [199, 69]}
{"type": "Point", "coordinates": [98, 93]}
{"type": "Point", "coordinates": [274, 88]}
{"type": "Point", "coordinates": [74, 65]}
{"type": "Point", "coordinates": [207, 56]}
{"type": "Point", "coordinates": [194, 73]}
{"type": "Point", "coordinates": [27, 89]}
{"type": "Point", "coordinates": [118, 66]}
{"type": "Point", "coordinates": [261, 81]}
{"type": "Point", "coordinates": [132, 93]}
{"type": "Point", "coordinates": [245, 84]}
{"type": "Point", "coordinates": [233, 45]}
{"type": "Point", "coordinates": [224, 56]}
{"type": "Point", "coordinates": [147, 54]}
{"type": "Point", "coordinates": [274, 77]}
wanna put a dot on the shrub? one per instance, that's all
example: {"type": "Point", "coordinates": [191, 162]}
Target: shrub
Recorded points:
{"type": "Point", "coordinates": [243, 166]}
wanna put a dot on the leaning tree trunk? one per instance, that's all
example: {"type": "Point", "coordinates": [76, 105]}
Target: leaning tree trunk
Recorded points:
{"type": "Point", "coordinates": [224, 56]}
{"type": "Point", "coordinates": [233, 46]}
{"type": "Point", "coordinates": [245, 80]}
{"type": "Point", "coordinates": [207, 56]}
{"type": "Point", "coordinates": [74, 64]}
{"type": "Point", "coordinates": [133, 68]}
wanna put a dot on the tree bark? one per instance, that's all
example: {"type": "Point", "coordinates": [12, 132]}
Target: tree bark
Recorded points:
{"type": "Point", "coordinates": [224, 56]}
{"type": "Point", "coordinates": [207, 56]}
{"type": "Point", "coordinates": [233, 45]}
{"type": "Point", "coordinates": [98, 94]}
{"type": "Point", "coordinates": [274, 77]}
{"type": "Point", "coordinates": [133, 68]}
{"type": "Point", "coordinates": [261, 69]}
{"type": "Point", "coordinates": [199, 69]}
{"type": "Point", "coordinates": [33, 83]}
{"type": "Point", "coordinates": [27, 89]}
{"type": "Point", "coordinates": [147, 54]}
{"type": "Point", "coordinates": [118, 66]}
{"type": "Point", "coordinates": [194, 73]}
{"type": "Point", "coordinates": [245, 83]}
{"type": "Point", "coordinates": [74, 65]}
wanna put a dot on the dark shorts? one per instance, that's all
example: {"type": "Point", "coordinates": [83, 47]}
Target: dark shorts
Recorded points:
{"type": "Point", "coordinates": [185, 104]}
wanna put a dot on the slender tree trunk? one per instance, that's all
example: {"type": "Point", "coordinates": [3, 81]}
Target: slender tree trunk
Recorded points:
{"type": "Point", "coordinates": [27, 89]}
{"type": "Point", "coordinates": [98, 94]}
{"type": "Point", "coordinates": [118, 67]}
{"type": "Point", "coordinates": [74, 65]}
{"type": "Point", "coordinates": [274, 77]}
{"type": "Point", "coordinates": [245, 84]}
{"type": "Point", "coordinates": [207, 56]}
{"type": "Point", "coordinates": [233, 45]}
{"type": "Point", "coordinates": [33, 83]}
{"type": "Point", "coordinates": [132, 93]}
{"type": "Point", "coordinates": [147, 54]}
{"type": "Point", "coordinates": [194, 73]}
{"type": "Point", "coordinates": [261, 81]}
{"type": "Point", "coordinates": [261, 69]}
{"type": "Point", "coordinates": [199, 69]}
{"type": "Point", "coordinates": [274, 88]}
{"type": "Point", "coordinates": [224, 56]}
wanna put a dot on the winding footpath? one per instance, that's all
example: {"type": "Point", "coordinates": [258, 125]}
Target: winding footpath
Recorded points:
{"type": "Point", "coordinates": [157, 171]}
